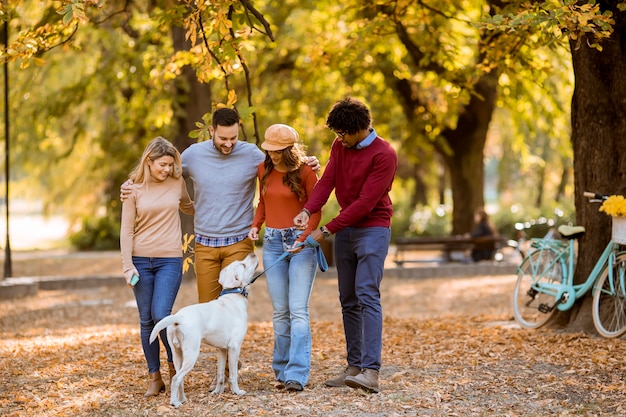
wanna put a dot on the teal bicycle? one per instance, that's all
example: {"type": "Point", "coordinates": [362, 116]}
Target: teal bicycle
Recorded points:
{"type": "Point", "coordinates": [545, 279]}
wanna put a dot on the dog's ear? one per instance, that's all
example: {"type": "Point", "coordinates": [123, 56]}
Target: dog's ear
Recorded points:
{"type": "Point", "coordinates": [238, 274]}
{"type": "Point", "coordinates": [230, 277]}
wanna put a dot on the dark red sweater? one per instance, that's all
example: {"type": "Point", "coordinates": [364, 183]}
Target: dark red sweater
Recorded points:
{"type": "Point", "coordinates": [362, 179]}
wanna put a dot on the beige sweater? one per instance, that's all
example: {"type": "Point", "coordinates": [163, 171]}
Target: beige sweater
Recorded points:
{"type": "Point", "coordinates": [150, 220]}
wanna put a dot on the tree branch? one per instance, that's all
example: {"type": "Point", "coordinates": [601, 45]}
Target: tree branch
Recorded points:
{"type": "Point", "coordinates": [246, 71]}
{"type": "Point", "coordinates": [259, 16]}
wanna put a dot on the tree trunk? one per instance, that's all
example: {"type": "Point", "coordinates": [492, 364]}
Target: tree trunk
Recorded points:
{"type": "Point", "coordinates": [560, 191]}
{"type": "Point", "coordinates": [465, 163]}
{"type": "Point", "coordinates": [598, 140]}
{"type": "Point", "coordinates": [542, 170]}
{"type": "Point", "coordinates": [193, 100]}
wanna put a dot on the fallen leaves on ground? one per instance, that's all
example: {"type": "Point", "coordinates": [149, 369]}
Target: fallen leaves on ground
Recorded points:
{"type": "Point", "coordinates": [451, 348]}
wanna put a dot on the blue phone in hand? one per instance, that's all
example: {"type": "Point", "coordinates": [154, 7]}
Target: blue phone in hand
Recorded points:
{"type": "Point", "coordinates": [134, 280]}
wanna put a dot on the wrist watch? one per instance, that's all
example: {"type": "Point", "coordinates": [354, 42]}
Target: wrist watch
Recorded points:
{"type": "Point", "coordinates": [325, 231]}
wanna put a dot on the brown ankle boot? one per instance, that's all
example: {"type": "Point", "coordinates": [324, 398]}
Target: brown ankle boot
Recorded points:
{"type": "Point", "coordinates": [367, 380]}
{"type": "Point", "coordinates": [340, 380]}
{"type": "Point", "coordinates": [155, 385]}
{"type": "Point", "coordinates": [172, 371]}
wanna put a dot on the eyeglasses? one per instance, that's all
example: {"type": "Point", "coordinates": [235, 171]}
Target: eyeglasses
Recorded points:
{"type": "Point", "coordinates": [340, 134]}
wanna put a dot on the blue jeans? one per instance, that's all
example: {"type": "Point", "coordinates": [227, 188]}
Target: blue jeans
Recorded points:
{"type": "Point", "coordinates": [289, 284]}
{"type": "Point", "coordinates": [159, 281]}
{"type": "Point", "coordinates": [360, 259]}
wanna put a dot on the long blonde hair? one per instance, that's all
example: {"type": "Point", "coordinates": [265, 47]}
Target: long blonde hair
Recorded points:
{"type": "Point", "coordinates": [157, 148]}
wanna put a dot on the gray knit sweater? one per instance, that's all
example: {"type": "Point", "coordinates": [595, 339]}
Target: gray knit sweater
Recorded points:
{"type": "Point", "coordinates": [224, 187]}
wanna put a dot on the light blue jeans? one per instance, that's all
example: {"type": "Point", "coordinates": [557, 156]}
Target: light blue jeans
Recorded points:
{"type": "Point", "coordinates": [159, 282]}
{"type": "Point", "coordinates": [289, 283]}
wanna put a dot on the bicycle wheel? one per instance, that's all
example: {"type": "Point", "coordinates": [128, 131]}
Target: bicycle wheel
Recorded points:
{"type": "Point", "coordinates": [531, 307]}
{"type": "Point", "coordinates": [609, 300]}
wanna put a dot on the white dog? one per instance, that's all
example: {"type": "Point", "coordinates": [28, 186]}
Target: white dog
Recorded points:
{"type": "Point", "coordinates": [222, 323]}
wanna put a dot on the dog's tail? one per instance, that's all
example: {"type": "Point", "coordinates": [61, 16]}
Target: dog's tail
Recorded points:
{"type": "Point", "coordinates": [165, 321]}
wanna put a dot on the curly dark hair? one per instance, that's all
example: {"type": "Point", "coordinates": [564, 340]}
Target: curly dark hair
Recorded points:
{"type": "Point", "coordinates": [294, 157]}
{"type": "Point", "coordinates": [349, 115]}
{"type": "Point", "coordinates": [224, 117]}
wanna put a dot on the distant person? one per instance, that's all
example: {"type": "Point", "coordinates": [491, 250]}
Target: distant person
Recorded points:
{"type": "Point", "coordinates": [483, 228]}
{"type": "Point", "coordinates": [151, 245]}
{"type": "Point", "coordinates": [285, 182]}
{"type": "Point", "coordinates": [360, 170]}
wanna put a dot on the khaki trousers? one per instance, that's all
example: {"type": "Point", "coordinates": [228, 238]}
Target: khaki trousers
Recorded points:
{"type": "Point", "coordinates": [210, 261]}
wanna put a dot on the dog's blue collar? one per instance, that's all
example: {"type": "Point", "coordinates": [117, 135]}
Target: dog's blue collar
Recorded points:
{"type": "Point", "coordinates": [239, 290]}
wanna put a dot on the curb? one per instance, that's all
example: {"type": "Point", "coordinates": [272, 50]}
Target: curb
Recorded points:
{"type": "Point", "coordinates": [25, 286]}
{"type": "Point", "coordinates": [11, 288]}
{"type": "Point", "coordinates": [453, 270]}
{"type": "Point", "coordinates": [441, 271]}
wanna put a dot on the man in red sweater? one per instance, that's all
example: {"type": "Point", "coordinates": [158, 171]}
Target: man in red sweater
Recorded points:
{"type": "Point", "coordinates": [360, 170]}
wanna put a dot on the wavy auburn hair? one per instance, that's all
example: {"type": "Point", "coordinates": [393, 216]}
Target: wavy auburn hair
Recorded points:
{"type": "Point", "coordinates": [294, 157]}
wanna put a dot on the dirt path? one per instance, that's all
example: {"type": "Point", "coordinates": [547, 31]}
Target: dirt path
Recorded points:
{"type": "Point", "coordinates": [450, 348]}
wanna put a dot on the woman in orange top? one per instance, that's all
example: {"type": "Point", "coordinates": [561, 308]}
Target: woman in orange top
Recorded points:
{"type": "Point", "coordinates": [285, 181]}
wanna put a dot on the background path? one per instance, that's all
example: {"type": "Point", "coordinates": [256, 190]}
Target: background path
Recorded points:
{"type": "Point", "coordinates": [451, 348]}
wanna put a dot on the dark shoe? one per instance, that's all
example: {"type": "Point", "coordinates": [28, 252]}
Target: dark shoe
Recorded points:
{"type": "Point", "coordinates": [340, 380]}
{"type": "Point", "coordinates": [293, 386]}
{"type": "Point", "coordinates": [155, 385]}
{"type": "Point", "coordinates": [366, 380]}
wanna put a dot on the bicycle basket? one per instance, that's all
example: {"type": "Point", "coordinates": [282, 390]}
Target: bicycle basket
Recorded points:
{"type": "Point", "coordinates": [618, 231]}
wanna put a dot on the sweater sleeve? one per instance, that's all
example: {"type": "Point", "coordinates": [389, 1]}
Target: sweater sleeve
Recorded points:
{"type": "Point", "coordinates": [186, 203]}
{"type": "Point", "coordinates": [377, 184]}
{"type": "Point", "coordinates": [259, 217]}
{"type": "Point", "coordinates": [324, 186]}
{"type": "Point", "coordinates": [127, 230]}
{"type": "Point", "coordinates": [309, 179]}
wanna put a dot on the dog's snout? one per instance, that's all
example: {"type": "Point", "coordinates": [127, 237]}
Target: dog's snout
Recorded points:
{"type": "Point", "coordinates": [252, 260]}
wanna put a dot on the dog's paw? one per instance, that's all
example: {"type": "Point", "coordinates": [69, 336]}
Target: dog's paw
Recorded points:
{"type": "Point", "coordinates": [177, 401]}
{"type": "Point", "coordinates": [218, 390]}
{"type": "Point", "coordinates": [239, 392]}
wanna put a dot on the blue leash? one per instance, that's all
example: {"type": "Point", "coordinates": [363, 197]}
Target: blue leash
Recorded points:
{"type": "Point", "coordinates": [310, 242]}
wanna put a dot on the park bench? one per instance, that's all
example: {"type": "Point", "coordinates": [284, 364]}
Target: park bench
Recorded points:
{"type": "Point", "coordinates": [447, 245]}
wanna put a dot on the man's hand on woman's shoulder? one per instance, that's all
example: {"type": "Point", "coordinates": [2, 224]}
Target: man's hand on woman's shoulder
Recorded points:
{"type": "Point", "coordinates": [313, 162]}
{"type": "Point", "coordinates": [125, 189]}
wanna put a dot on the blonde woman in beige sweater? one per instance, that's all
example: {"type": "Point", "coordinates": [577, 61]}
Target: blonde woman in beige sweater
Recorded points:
{"type": "Point", "coordinates": [151, 245]}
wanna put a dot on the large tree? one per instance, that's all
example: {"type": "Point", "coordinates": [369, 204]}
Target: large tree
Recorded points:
{"type": "Point", "coordinates": [98, 81]}
{"type": "Point", "coordinates": [423, 66]}
{"type": "Point", "coordinates": [430, 75]}
{"type": "Point", "coordinates": [596, 31]}
{"type": "Point", "coordinates": [598, 139]}
{"type": "Point", "coordinates": [461, 136]}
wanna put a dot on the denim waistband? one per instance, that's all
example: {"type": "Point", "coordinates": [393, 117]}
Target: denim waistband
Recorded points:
{"type": "Point", "coordinates": [286, 233]}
